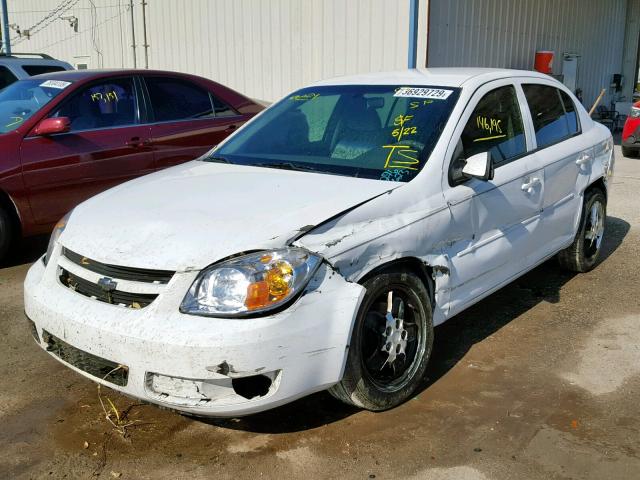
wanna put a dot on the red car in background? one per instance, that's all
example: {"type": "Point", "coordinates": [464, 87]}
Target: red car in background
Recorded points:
{"type": "Point", "coordinates": [631, 133]}
{"type": "Point", "coordinates": [66, 136]}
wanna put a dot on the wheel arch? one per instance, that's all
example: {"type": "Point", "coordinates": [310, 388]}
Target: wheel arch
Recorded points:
{"type": "Point", "coordinates": [421, 269]}
{"type": "Point", "coordinates": [9, 206]}
{"type": "Point", "coordinates": [600, 184]}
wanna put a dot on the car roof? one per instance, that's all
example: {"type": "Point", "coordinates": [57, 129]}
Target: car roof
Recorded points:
{"type": "Point", "coordinates": [446, 77]}
{"type": "Point", "coordinates": [31, 61]}
{"type": "Point", "coordinates": [78, 75]}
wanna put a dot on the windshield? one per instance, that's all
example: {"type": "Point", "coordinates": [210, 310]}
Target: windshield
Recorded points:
{"type": "Point", "coordinates": [23, 98]}
{"type": "Point", "coordinates": [382, 132]}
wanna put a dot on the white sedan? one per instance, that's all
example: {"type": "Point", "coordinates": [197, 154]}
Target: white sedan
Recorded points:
{"type": "Point", "coordinates": [317, 247]}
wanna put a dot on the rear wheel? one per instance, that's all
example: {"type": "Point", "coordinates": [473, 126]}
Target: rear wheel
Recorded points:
{"type": "Point", "coordinates": [390, 345]}
{"type": "Point", "coordinates": [583, 253]}
{"type": "Point", "coordinates": [6, 233]}
{"type": "Point", "coordinates": [630, 152]}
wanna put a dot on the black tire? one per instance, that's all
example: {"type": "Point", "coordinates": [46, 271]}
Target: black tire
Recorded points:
{"type": "Point", "coordinates": [630, 152]}
{"type": "Point", "coordinates": [584, 252]}
{"type": "Point", "coordinates": [363, 385]}
{"type": "Point", "coordinates": [6, 233]}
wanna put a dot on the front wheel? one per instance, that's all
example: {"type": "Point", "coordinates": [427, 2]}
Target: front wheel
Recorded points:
{"type": "Point", "coordinates": [583, 253]}
{"type": "Point", "coordinates": [390, 345]}
{"type": "Point", "coordinates": [6, 233]}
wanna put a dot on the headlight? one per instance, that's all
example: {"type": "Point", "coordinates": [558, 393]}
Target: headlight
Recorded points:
{"type": "Point", "coordinates": [249, 284]}
{"type": "Point", "coordinates": [635, 112]}
{"type": "Point", "coordinates": [57, 231]}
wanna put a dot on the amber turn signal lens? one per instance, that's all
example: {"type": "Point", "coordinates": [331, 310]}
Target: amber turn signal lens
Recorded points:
{"type": "Point", "coordinates": [257, 295]}
{"type": "Point", "coordinates": [279, 279]}
{"type": "Point", "coordinates": [275, 286]}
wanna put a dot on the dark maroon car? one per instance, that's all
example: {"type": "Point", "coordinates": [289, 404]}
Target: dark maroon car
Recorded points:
{"type": "Point", "coordinates": [66, 136]}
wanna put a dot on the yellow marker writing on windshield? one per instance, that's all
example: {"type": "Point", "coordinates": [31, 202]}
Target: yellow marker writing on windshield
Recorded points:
{"type": "Point", "coordinates": [489, 138]}
{"type": "Point", "coordinates": [111, 96]}
{"type": "Point", "coordinates": [16, 121]}
{"type": "Point", "coordinates": [413, 105]}
{"type": "Point", "coordinates": [401, 156]}
{"type": "Point", "coordinates": [306, 96]}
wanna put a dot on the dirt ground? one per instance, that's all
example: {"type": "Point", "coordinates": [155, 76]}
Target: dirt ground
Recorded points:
{"type": "Point", "coordinates": [541, 380]}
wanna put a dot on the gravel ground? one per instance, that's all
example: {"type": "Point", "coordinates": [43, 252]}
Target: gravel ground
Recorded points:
{"type": "Point", "coordinates": [541, 380]}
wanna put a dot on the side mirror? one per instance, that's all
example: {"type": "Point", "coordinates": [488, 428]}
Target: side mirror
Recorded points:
{"type": "Point", "coordinates": [50, 126]}
{"type": "Point", "coordinates": [479, 166]}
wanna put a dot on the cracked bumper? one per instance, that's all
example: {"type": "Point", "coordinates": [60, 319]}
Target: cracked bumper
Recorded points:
{"type": "Point", "coordinates": [301, 349]}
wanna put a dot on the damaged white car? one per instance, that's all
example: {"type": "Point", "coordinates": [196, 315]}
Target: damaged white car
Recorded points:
{"type": "Point", "coordinates": [318, 246]}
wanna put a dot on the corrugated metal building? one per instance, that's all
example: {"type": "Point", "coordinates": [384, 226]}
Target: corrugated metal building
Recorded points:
{"type": "Point", "coordinates": [268, 48]}
{"type": "Point", "coordinates": [498, 33]}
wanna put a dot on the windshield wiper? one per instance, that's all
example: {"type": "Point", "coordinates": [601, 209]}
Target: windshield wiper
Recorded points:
{"type": "Point", "coordinates": [287, 166]}
{"type": "Point", "coordinates": [217, 159]}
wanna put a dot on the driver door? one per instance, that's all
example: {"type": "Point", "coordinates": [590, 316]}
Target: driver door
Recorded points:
{"type": "Point", "coordinates": [494, 221]}
{"type": "Point", "coordinates": [105, 146]}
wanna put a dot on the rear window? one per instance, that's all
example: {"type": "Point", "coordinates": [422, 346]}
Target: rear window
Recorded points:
{"type": "Point", "coordinates": [554, 115]}
{"type": "Point", "coordinates": [40, 69]}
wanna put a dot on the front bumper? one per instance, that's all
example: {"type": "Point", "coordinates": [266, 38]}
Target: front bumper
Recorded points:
{"type": "Point", "coordinates": [631, 135]}
{"type": "Point", "coordinates": [197, 364]}
{"type": "Point", "coordinates": [632, 145]}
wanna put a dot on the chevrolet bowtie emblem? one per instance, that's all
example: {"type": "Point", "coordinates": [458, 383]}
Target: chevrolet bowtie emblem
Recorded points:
{"type": "Point", "coordinates": [108, 285]}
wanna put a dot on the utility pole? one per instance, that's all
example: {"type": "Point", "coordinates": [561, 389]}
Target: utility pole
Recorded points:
{"type": "Point", "coordinates": [144, 32]}
{"type": "Point", "coordinates": [6, 41]}
{"type": "Point", "coordinates": [413, 32]}
{"type": "Point", "coordinates": [133, 34]}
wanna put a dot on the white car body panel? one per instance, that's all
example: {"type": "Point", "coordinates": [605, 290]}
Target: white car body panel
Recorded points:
{"type": "Point", "coordinates": [216, 210]}
{"type": "Point", "coordinates": [191, 216]}
{"type": "Point", "coordinates": [309, 355]}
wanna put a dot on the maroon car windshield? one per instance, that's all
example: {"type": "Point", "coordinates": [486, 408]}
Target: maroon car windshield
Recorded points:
{"type": "Point", "coordinates": [23, 98]}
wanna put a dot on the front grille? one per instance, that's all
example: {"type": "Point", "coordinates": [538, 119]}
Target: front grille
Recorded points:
{"type": "Point", "coordinates": [93, 365]}
{"type": "Point", "coordinates": [97, 292]}
{"type": "Point", "coordinates": [115, 271]}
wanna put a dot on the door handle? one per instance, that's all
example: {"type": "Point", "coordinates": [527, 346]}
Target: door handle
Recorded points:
{"type": "Point", "coordinates": [583, 159]}
{"type": "Point", "coordinates": [230, 128]}
{"type": "Point", "coordinates": [530, 185]}
{"type": "Point", "coordinates": [137, 142]}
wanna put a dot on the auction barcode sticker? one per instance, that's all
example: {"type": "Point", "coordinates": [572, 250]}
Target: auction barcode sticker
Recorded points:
{"type": "Point", "coordinates": [55, 84]}
{"type": "Point", "coordinates": [418, 92]}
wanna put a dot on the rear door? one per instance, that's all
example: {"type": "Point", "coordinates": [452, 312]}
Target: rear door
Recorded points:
{"type": "Point", "coordinates": [106, 146]}
{"type": "Point", "coordinates": [187, 119]}
{"type": "Point", "coordinates": [494, 223]}
{"type": "Point", "coordinates": [566, 160]}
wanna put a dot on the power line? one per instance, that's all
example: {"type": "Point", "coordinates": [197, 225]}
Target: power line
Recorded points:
{"type": "Point", "coordinates": [46, 20]}
{"type": "Point", "coordinates": [22, 12]}
{"type": "Point", "coordinates": [83, 31]}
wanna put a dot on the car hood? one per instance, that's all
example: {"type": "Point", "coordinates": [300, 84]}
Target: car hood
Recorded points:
{"type": "Point", "coordinates": [192, 215]}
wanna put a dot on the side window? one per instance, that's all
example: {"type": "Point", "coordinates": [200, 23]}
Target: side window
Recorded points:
{"type": "Point", "coordinates": [40, 69]}
{"type": "Point", "coordinates": [111, 103]}
{"type": "Point", "coordinates": [6, 77]}
{"type": "Point", "coordinates": [221, 109]}
{"type": "Point", "coordinates": [495, 126]}
{"type": "Point", "coordinates": [554, 116]}
{"type": "Point", "coordinates": [570, 113]}
{"type": "Point", "coordinates": [176, 99]}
